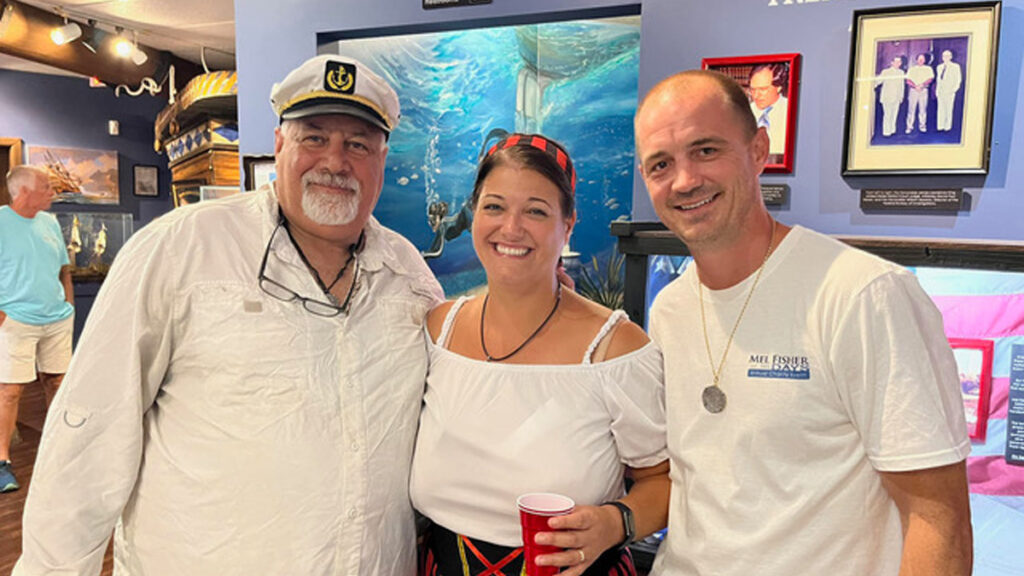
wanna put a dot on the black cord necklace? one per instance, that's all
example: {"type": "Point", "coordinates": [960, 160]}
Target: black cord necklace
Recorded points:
{"type": "Point", "coordinates": [353, 249]}
{"type": "Point", "coordinates": [558, 300]}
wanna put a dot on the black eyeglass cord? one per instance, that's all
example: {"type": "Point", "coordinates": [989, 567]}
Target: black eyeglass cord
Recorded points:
{"type": "Point", "coordinates": [353, 249]}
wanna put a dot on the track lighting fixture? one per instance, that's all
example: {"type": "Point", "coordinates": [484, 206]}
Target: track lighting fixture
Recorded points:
{"type": "Point", "coordinates": [70, 31]}
{"type": "Point", "coordinates": [89, 39]}
{"type": "Point", "coordinates": [138, 56]}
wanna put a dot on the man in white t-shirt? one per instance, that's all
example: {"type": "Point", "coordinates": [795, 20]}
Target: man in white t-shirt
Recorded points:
{"type": "Point", "coordinates": [814, 417]}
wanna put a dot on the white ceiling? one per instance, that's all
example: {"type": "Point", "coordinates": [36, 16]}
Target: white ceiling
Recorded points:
{"type": "Point", "coordinates": [182, 27]}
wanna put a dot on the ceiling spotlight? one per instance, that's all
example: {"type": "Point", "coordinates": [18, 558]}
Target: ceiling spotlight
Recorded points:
{"type": "Point", "coordinates": [61, 35]}
{"type": "Point", "coordinates": [122, 45]}
{"type": "Point", "coordinates": [6, 15]}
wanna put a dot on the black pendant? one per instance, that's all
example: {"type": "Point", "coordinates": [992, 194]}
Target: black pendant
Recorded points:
{"type": "Point", "coordinates": [713, 399]}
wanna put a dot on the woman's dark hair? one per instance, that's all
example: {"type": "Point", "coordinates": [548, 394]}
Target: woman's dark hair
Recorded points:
{"type": "Point", "coordinates": [533, 152]}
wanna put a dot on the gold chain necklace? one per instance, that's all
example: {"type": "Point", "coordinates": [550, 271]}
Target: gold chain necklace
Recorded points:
{"type": "Point", "coordinates": [713, 397]}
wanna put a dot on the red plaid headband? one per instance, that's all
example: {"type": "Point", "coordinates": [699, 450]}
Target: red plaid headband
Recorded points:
{"type": "Point", "coordinates": [541, 143]}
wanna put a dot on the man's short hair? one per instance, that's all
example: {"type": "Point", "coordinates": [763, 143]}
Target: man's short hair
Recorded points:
{"type": "Point", "coordinates": [19, 175]}
{"type": "Point", "coordinates": [734, 94]}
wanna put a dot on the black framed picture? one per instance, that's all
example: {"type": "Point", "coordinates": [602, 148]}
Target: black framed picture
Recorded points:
{"type": "Point", "coordinates": [920, 90]}
{"type": "Point", "coordinates": [259, 170]}
{"type": "Point", "coordinates": [146, 180]}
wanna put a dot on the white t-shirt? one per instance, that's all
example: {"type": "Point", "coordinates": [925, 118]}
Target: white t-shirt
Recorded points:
{"type": "Point", "coordinates": [839, 369]}
{"type": "Point", "coordinates": [920, 74]}
{"type": "Point", "coordinates": [490, 432]}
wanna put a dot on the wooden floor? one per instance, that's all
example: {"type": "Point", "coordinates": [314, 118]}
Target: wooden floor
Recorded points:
{"type": "Point", "coordinates": [31, 415]}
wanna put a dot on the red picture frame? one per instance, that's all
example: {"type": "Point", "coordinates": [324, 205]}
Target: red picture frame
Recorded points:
{"type": "Point", "coordinates": [974, 367]}
{"type": "Point", "coordinates": [775, 78]}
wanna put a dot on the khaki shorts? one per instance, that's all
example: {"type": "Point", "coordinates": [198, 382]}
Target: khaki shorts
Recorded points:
{"type": "Point", "coordinates": [24, 348]}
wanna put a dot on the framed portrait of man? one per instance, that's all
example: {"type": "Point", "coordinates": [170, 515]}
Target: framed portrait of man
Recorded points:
{"type": "Point", "coordinates": [771, 82]}
{"type": "Point", "coordinates": [920, 92]}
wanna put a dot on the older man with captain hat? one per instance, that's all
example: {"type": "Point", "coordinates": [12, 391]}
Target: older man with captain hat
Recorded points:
{"type": "Point", "coordinates": [245, 394]}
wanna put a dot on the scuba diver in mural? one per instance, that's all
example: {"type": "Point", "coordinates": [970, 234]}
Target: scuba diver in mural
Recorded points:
{"type": "Point", "coordinates": [447, 228]}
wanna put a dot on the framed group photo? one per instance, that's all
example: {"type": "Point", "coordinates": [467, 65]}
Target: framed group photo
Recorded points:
{"type": "Point", "coordinates": [920, 89]}
{"type": "Point", "coordinates": [974, 366]}
{"type": "Point", "coordinates": [771, 82]}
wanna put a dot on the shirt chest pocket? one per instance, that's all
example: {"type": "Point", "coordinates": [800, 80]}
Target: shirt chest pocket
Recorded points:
{"type": "Point", "coordinates": [254, 357]}
{"type": "Point", "coordinates": [389, 353]}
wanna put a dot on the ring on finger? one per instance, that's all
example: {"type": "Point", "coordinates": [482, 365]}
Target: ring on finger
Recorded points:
{"type": "Point", "coordinates": [583, 555]}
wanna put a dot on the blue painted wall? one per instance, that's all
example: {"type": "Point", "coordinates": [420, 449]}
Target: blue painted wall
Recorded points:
{"type": "Point", "coordinates": [63, 111]}
{"type": "Point", "coordinates": [274, 36]}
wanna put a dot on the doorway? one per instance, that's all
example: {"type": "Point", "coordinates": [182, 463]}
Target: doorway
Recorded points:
{"type": "Point", "coordinates": [10, 156]}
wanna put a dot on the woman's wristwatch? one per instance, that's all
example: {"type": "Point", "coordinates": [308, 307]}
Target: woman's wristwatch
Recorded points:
{"type": "Point", "coordinates": [628, 523]}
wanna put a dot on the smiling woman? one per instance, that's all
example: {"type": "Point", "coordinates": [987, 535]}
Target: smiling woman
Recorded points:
{"type": "Point", "coordinates": [533, 388]}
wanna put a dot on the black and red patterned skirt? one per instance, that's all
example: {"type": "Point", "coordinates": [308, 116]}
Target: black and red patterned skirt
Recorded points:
{"type": "Point", "coordinates": [446, 553]}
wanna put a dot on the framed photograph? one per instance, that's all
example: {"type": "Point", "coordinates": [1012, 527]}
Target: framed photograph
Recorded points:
{"type": "Point", "coordinates": [920, 89]}
{"type": "Point", "coordinates": [771, 82]}
{"type": "Point", "coordinates": [974, 365]}
{"type": "Point", "coordinates": [146, 181]}
{"type": "Point", "coordinates": [259, 170]}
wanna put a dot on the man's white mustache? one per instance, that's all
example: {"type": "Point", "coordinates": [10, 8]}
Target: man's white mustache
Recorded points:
{"type": "Point", "coordinates": [332, 180]}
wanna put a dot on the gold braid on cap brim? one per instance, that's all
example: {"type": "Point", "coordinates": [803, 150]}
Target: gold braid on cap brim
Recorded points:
{"type": "Point", "coordinates": [334, 95]}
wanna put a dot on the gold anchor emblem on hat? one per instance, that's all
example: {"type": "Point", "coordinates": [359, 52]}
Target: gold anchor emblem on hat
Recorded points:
{"type": "Point", "coordinates": [340, 80]}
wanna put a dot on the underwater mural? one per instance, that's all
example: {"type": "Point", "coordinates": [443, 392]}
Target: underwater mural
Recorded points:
{"type": "Point", "coordinates": [461, 91]}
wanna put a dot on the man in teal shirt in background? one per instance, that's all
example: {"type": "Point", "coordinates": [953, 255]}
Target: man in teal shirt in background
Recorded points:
{"type": "Point", "coordinates": [36, 301]}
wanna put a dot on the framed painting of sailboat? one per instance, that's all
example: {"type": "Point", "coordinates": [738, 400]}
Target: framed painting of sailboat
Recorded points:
{"type": "Point", "coordinates": [79, 175]}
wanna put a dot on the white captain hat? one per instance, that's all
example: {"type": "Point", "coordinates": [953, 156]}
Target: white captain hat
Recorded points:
{"type": "Point", "coordinates": [331, 84]}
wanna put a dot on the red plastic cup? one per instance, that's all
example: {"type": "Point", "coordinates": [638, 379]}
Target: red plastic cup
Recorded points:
{"type": "Point", "coordinates": [534, 511]}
